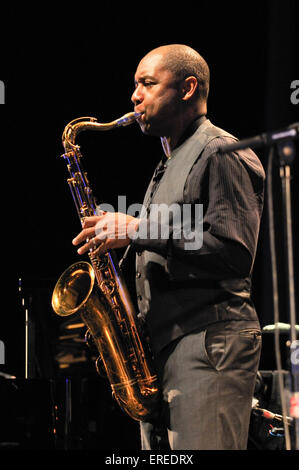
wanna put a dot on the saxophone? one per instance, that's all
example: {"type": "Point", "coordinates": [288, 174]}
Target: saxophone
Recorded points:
{"type": "Point", "coordinates": [98, 293]}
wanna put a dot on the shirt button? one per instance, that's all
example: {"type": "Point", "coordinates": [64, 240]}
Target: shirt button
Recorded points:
{"type": "Point", "coordinates": [139, 297]}
{"type": "Point", "coordinates": [138, 275]}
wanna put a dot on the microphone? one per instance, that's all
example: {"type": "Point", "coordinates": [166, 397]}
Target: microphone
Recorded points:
{"type": "Point", "coordinates": [272, 416]}
{"type": "Point", "coordinates": [264, 140]}
{"type": "Point", "coordinates": [268, 414]}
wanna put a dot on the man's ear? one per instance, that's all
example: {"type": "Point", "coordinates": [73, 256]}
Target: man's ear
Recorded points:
{"type": "Point", "coordinates": [189, 86]}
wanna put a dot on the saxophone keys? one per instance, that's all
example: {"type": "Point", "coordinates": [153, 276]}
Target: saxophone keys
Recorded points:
{"type": "Point", "coordinates": [99, 364]}
{"type": "Point", "coordinates": [88, 339]}
{"type": "Point", "coordinates": [100, 263]}
{"type": "Point", "coordinates": [107, 287]}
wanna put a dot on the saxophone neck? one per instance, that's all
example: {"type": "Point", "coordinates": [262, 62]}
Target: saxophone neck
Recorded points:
{"type": "Point", "coordinates": [90, 123]}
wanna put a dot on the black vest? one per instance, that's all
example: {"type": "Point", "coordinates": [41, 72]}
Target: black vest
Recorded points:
{"type": "Point", "coordinates": [172, 309]}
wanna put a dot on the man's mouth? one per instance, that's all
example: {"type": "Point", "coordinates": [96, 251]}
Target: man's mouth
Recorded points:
{"type": "Point", "coordinates": [141, 119]}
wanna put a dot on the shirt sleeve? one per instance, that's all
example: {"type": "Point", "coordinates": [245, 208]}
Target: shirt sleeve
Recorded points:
{"type": "Point", "coordinates": [230, 190]}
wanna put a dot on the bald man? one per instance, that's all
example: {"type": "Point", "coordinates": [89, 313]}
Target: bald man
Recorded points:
{"type": "Point", "coordinates": [195, 244]}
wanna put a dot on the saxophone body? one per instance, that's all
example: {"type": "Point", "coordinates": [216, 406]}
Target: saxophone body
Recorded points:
{"type": "Point", "coordinates": [98, 292]}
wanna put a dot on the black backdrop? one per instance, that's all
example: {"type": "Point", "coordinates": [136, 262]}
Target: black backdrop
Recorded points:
{"type": "Point", "coordinates": [62, 62]}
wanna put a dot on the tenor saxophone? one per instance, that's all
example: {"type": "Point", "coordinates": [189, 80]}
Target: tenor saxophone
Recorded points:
{"type": "Point", "coordinates": [97, 291]}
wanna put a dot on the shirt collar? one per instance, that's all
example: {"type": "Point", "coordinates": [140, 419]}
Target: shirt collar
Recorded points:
{"type": "Point", "coordinates": [193, 126]}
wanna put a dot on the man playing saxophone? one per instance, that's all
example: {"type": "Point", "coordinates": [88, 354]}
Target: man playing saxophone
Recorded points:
{"type": "Point", "coordinates": [193, 293]}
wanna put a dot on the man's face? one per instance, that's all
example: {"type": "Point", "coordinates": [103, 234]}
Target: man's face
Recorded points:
{"type": "Point", "coordinates": [156, 95]}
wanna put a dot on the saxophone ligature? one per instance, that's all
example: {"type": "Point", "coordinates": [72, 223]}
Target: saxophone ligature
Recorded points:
{"type": "Point", "coordinates": [97, 291]}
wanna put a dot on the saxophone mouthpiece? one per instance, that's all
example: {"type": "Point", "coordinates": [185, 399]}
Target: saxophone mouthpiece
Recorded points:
{"type": "Point", "coordinates": [128, 119]}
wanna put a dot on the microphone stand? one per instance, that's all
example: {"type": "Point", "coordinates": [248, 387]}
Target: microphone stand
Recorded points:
{"type": "Point", "coordinates": [283, 139]}
{"type": "Point", "coordinates": [287, 152]}
{"type": "Point", "coordinates": [29, 332]}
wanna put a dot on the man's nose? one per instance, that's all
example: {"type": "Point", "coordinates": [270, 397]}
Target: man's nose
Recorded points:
{"type": "Point", "coordinates": [137, 97]}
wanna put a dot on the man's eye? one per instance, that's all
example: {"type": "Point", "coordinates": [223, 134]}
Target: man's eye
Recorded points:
{"type": "Point", "coordinates": [147, 84]}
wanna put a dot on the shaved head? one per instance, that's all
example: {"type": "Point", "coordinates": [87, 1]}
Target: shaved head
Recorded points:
{"type": "Point", "coordinates": [171, 90]}
{"type": "Point", "coordinates": [183, 61]}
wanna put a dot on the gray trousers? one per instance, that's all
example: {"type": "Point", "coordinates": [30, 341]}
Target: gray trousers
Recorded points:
{"type": "Point", "coordinates": [207, 381]}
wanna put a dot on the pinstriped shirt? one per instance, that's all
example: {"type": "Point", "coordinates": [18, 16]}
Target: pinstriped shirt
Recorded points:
{"type": "Point", "coordinates": [181, 290]}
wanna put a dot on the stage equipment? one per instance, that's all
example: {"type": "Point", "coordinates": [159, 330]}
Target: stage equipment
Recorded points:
{"type": "Point", "coordinates": [281, 143]}
{"type": "Point", "coordinates": [98, 292]}
{"type": "Point", "coordinates": [62, 414]}
{"type": "Point", "coordinates": [266, 430]}
{"type": "Point", "coordinates": [266, 139]}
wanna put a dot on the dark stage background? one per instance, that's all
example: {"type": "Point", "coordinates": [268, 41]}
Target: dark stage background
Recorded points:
{"type": "Point", "coordinates": [59, 65]}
